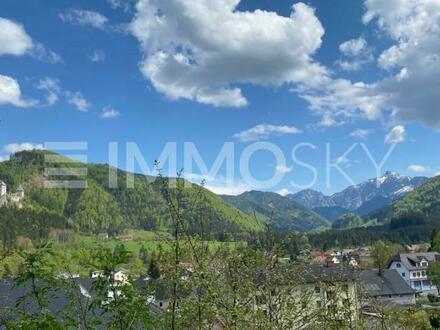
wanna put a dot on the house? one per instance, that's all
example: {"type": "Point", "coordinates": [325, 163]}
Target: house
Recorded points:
{"type": "Point", "coordinates": [319, 257]}
{"type": "Point", "coordinates": [102, 236]}
{"type": "Point", "coordinates": [413, 267]}
{"type": "Point", "coordinates": [333, 287]}
{"type": "Point", "coordinates": [96, 273]}
{"type": "Point", "coordinates": [121, 275]}
{"type": "Point", "coordinates": [386, 287]}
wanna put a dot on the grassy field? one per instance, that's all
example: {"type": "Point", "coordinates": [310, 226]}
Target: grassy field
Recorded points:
{"type": "Point", "coordinates": [150, 240]}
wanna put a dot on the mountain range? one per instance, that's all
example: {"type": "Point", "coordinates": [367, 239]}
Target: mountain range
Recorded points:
{"type": "Point", "coordinates": [99, 208]}
{"type": "Point", "coordinates": [363, 197]}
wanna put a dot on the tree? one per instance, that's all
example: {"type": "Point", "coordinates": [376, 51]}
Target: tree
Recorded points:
{"type": "Point", "coordinates": [153, 269]}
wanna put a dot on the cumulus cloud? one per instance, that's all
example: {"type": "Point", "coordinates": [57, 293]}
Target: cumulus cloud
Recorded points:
{"type": "Point", "coordinates": [77, 99]}
{"type": "Point", "coordinates": [17, 147]}
{"type": "Point", "coordinates": [418, 169]}
{"type": "Point", "coordinates": [339, 101]}
{"type": "Point", "coordinates": [201, 49]}
{"type": "Point", "coordinates": [413, 62]}
{"type": "Point", "coordinates": [52, 88]}
{"type": "Point", "coordinates": [15, 41]}
{"type": "Point", "coordinates": [13, 38]}
{"type": "Point", "coordinates": [396, 135]}
{"type": "Point", "coordinates": [361, 134]}
{"type": "Point", "coordinates": [282, 169]}
{"type": "Point", "coordinates": [263, 131]}
{"type": "Point", "coordinates": [10, 93]}
{"type": "Point", "coordinates": [356, 53]}
{"type": "Point", "coordinates": [109, 113]}
{"type": "Point", "coordinates": [409, 90]}
{"type": "Point", "coordinates": [98, 55]}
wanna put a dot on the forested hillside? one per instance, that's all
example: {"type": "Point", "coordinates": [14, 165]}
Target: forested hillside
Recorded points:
{"type": "Point", "coordinates": [281, 213]}
{"type": "Point", "coordinates": [98, 208]}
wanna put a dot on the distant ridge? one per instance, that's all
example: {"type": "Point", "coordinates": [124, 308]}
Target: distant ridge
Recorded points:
{"type": "Point", "coordinates": [364, 197]}
{"type": "Point", "coordinates": [281, 213]}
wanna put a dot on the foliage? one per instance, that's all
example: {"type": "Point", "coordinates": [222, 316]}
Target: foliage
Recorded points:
{"type": "Point", "coordinates": [348, 220]}
{"type": "Point", "coordinates": [100, 208]}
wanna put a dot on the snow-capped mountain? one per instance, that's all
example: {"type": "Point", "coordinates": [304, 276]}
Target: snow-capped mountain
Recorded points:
{"type": "Point", "coordinates": [390, 187]}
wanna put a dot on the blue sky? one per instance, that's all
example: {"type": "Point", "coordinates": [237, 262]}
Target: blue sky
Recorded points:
{"type": "Point", "coordinates": [216, 71]}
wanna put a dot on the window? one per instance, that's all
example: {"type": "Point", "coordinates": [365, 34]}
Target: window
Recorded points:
{"type": "Point", "coordinates": [418, 274]}
{"type": "Point", "coordinates": [403, 274]}
{"type": "Point", "coordinates": [423, 273]}
{"type": "Point", "coordinates": [414, 274]}
{"type": "Point", "coordinates": [398, 265]}
{"type": "Point", "coordinates": [317, 289]}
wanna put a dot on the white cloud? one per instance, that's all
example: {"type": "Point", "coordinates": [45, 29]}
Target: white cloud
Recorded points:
{"type": "Point", "coordinates": [342, 160]}
{"type": "Point", "coordinates": [78, 100]}
{"type": "Point", "coordinates": [15, 41]}
{"type": "Point", "coordinates": [109, 113]}
{"type": "Point", "coordinates": [126, 5]}
{"type": "Point", "coordinates": [396, 135]}
{"type": "Point", "coordinates": [437, 174]}
{"type": "Point", "coordinates": [52, 88]}
{"type": "Point", "coordinates": [361, 134]}
{"type": "Point", "coordinates": [414, 25]}
{"type": "Point", "coordinates": [418, 169]}
{"type": "Point", "coordinates": [263, 131]}
{"type": "Point", "coordinates": [353, 47]}
{"type": "Point", "coordinates": [283, 192]}
{"type": "Point", "coordinates": [281, 169]}
{"type": "Point", "coordinates": [218, 185]}
{"type": "Point", "coordinates": [17, 147]}
{"type": "Point", "coordinates": [98, 55]}
{"type": "Point", "coordinates": [45, 55]}
{"type": "Point", "coordinates": [84, 18]}
{"type": "Point", "coordinates": [13, 38]}
{"type": "Point", "coordinates": [200, 49]}
{"type": "Point", "coordinates": [339, 101]}
{"type": "Point", "coordinates": [356, 53]}
{"type": "Point", "coordinates": [10, 93]}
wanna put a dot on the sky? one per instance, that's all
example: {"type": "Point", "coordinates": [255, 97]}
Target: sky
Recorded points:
{"type": "Point", "coordinates": [311, 80]}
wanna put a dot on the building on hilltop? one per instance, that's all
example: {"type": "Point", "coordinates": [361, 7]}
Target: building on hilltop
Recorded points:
{"type": "Point", "coordinates": [3, 188]}
{"type": "Point", "coordinates": [413, 268]}
{"type": "Point", "coordinates": [15, 198]}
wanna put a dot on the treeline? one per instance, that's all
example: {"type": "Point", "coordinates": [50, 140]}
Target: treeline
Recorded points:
{"type": "Point", "coordinates": [405, 229]}
{"type": "Point", "coordinates": [29, 223]}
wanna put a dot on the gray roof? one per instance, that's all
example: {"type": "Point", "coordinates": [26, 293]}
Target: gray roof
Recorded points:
{"type": "Point", "coordinates": [410, 260]}
{"type": "Point", "coordinates": [388, 283]}
{"type": "Point", "coordinates": [322, 273]}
